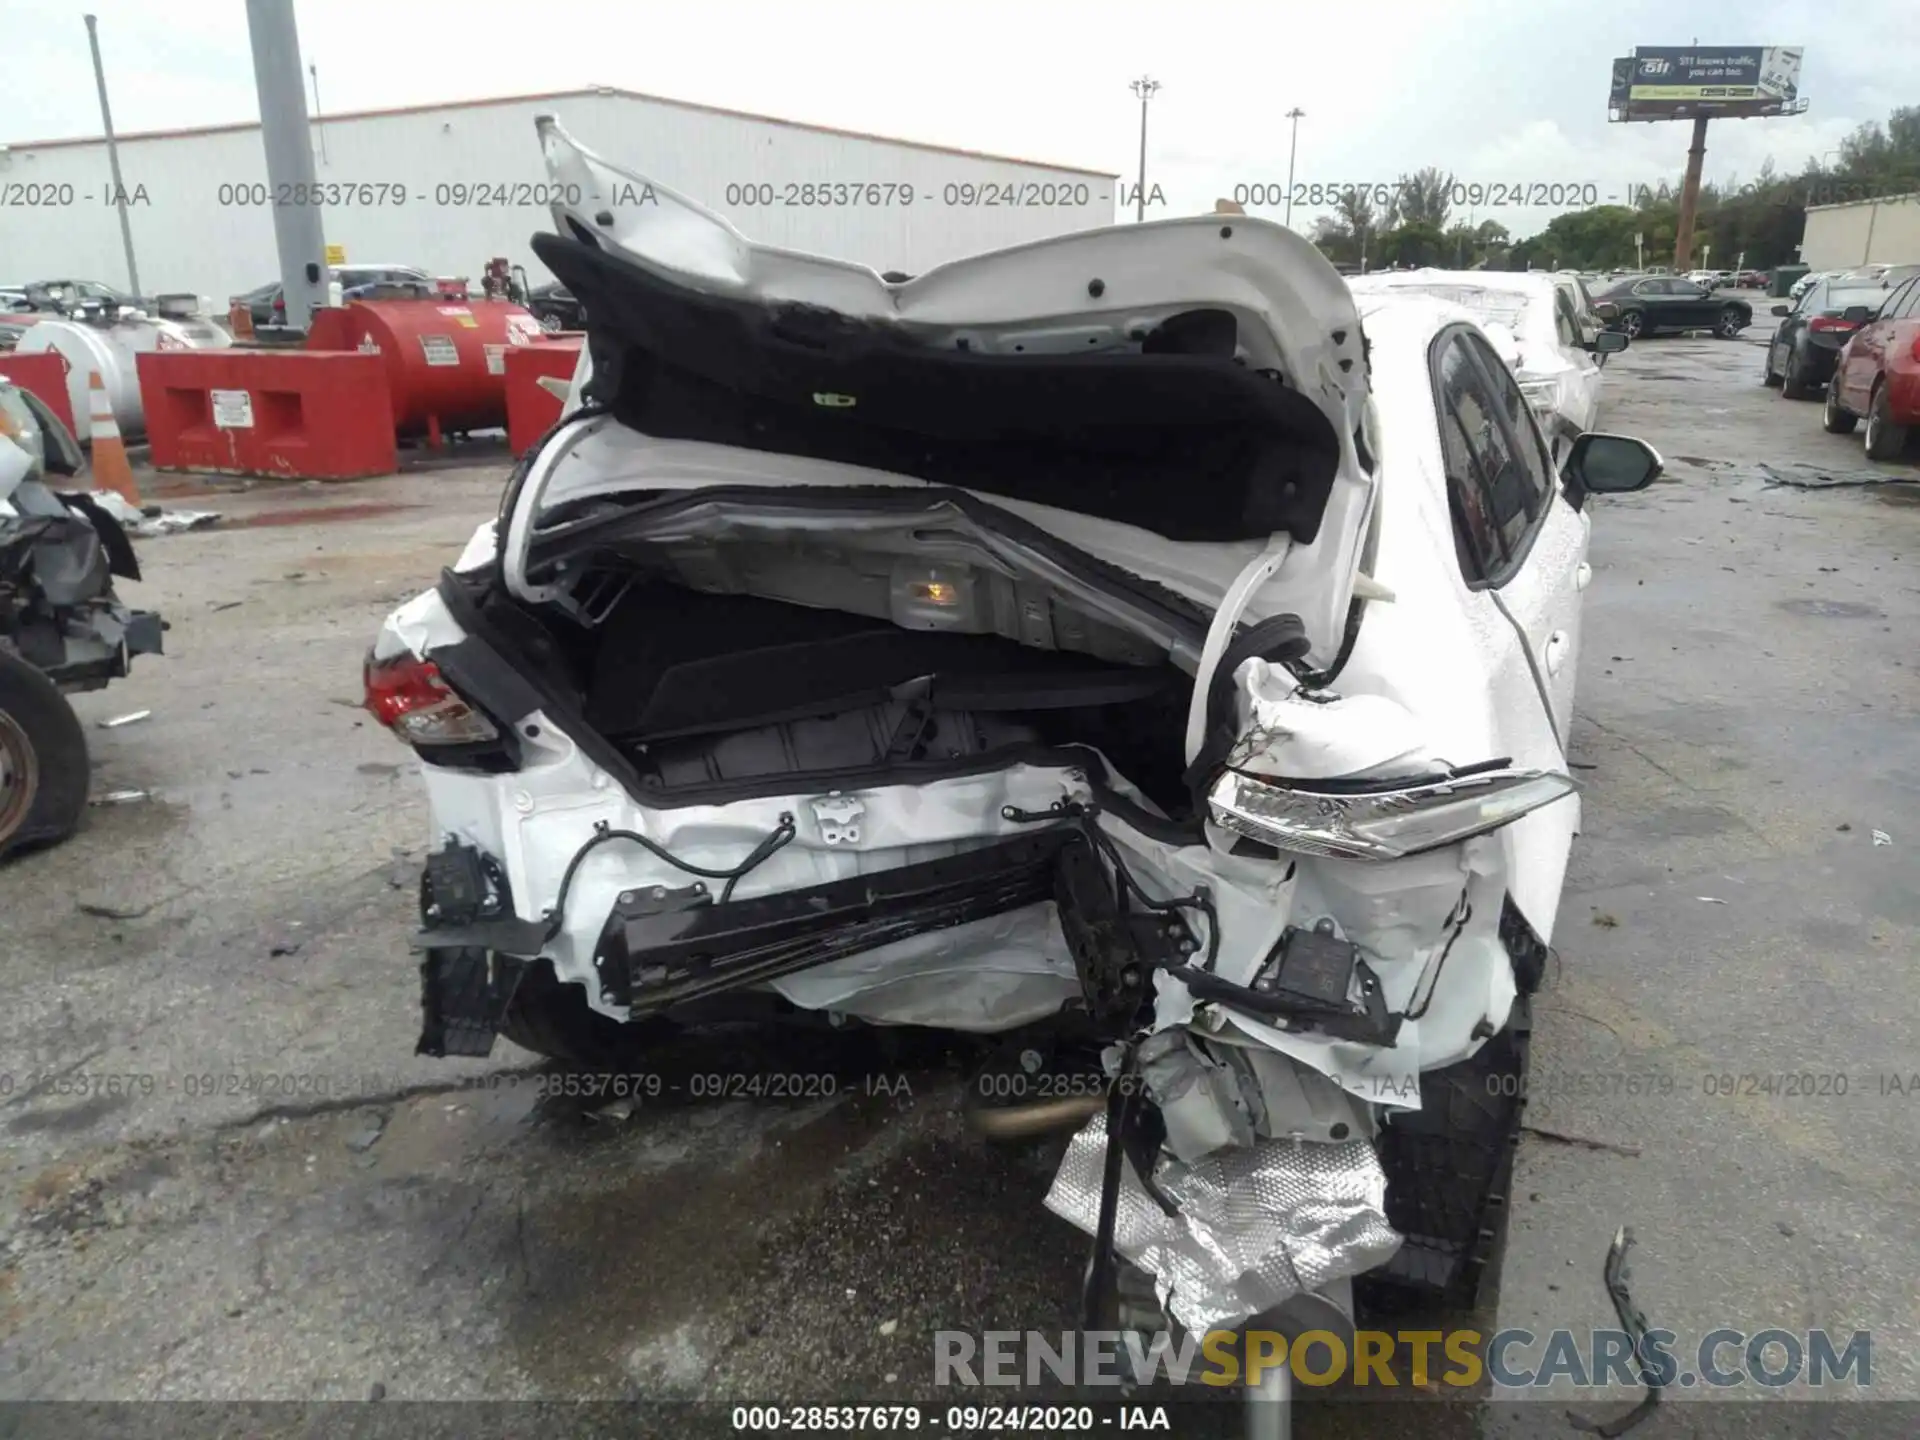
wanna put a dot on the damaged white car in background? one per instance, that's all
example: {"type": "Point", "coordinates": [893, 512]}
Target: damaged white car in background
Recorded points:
{"type": "Point", "coordinates": [1544, 326]}
{"type": "Point", "coordinates": [1101, 637]}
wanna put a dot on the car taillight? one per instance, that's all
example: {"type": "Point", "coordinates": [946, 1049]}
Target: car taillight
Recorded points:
{"type": "Point", "coordinates": [279, 303]}
{"type": "Point", "coordinates": [1916, 347]}
{"type": "Point", "coordinates": [408, 696]}
{"type": "Point", "coordinates": [1831, 322]}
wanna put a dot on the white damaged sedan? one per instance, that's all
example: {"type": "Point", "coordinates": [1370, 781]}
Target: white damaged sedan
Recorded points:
{"type": "Point", "coordinates": [1103, 635]}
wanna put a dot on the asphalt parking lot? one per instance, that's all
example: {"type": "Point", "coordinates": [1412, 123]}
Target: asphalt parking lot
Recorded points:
{"type": "Point", "coordinates": [283, 1203]}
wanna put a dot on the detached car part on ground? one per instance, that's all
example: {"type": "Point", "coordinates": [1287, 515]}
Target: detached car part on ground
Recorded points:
{"type": "Point", "coordinates": [62, 628]}
{"type": "Point", "coordinates": [1102, 637]}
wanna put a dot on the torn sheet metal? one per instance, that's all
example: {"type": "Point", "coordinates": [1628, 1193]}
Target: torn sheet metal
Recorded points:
{"type": "Point", "coordinates": [152, 519]}
{"type": "Point", "coordinates": [1256, 1225]}
{"type": "Point", "coordinates": [1294, 734]}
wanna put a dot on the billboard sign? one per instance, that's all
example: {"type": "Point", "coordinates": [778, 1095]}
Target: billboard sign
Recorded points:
{"type": "Point", "coordinates": [1676, 82]}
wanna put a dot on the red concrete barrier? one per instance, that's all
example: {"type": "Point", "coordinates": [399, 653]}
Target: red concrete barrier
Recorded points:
{"type": "Point", "coordinates": [298, 414]}
{"type": "Point", "coordinates": [44, 374]}
{"type": "Point", "coordinates": [531, 411]}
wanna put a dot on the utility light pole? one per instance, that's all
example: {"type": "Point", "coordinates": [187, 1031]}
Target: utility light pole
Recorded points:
{"type": "Point", "coordinates": [113, 156]}
{"type": "Point", "coordinates": [1293, 149]}
{"type": "Point", "coordinates": [1144, 88]}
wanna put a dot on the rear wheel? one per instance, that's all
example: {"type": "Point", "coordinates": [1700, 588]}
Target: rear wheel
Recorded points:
{"type": "Point", "coordinates": [1885, 440]}
{"type": "Point", "coordinates": [43, 759]}
{"type": "Point", "coordinates": [1633, 323]}
{"type": "Point", "coordinates": [1797, 384]}
{"type": "Point", "coordinates": [1836, 419]}
{"type": "Point", "coordinates": [1729, 323]}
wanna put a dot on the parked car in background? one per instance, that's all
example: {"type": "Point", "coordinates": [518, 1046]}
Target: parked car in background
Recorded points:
{"type": "Point", "coordinates": [555, 308]}
{"type": "Point", "coordinates": [898, 717]}
{"type": "Point", "coordinates": [1801, 354]}
{"type": "Point", "coordinates": [1668, 304]}
{"type": "Point", "coordinates": [13, 300]}
{"type": "Point", "coordinates": [1890, 277]}
{"type": "Point", "coordinates": [1807, 281]}
{"type": "Point", "coordinates": [268, 306]}
{"type": "Point", "coordinates": [1542, 326]}
{"type": "Point", "coordinates": [1877, 375]}
{"type": "Point", "coordinates": [69, 295]}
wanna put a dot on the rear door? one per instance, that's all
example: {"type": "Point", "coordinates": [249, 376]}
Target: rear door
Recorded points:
{"type": "Point", "coordinates": [1868, 349]}
{"type": "Point", "coordinates": [1522, 551]}
{"type": "Point", "coordinates": [1583, 401]}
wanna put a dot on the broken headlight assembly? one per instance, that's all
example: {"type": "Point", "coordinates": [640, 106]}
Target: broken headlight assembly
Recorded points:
{"type": "Point", "coordinates": [1383, 820]}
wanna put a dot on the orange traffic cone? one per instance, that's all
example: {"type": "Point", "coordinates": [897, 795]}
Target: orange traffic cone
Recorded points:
{"type": "Point", "coordinates": [110, 468]}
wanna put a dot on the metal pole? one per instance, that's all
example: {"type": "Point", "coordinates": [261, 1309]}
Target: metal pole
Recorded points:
{"type": "Point", "coordinates": [1293, 149]}
{"type": "Point", "coordinates": [113, 156]}
{"type": "Point", "coordinates": [289, 146]}
{"type": "Point", "coordinates": [1690, 198]}
{"type": "Point", "coordinates": [1144, 88]}
{"type": "Point", "coordinates": [319, 122]}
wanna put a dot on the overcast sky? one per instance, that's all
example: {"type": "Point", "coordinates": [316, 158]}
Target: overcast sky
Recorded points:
{"type": "Point", "coordinates": [1493, 90]}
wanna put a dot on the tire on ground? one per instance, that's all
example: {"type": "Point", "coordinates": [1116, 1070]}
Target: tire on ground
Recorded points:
{"type": "Point", "coordinates": [1836, 420]}
{"type": "Point", "coordinates": [1885, 440]}
{"type": "Point", "coordinates": [38, 718]}
{"type": "Point", "coordinates": [1795, 385]}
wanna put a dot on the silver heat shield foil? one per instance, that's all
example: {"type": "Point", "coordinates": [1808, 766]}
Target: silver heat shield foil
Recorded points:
{"type": "Point", "coordinates": [1256, 1223]}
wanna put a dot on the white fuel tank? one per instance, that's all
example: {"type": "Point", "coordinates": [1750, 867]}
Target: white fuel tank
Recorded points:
{"type": "Point", "coordinates": [109, 347]}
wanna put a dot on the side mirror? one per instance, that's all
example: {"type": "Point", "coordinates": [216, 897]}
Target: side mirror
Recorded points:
{"type": "Point", "coordinates": [1599, 464]}
{"type": "Point", "coordinates": [1609, 342]}
{"type": "Point", "coordinates": [1783, 309]}
{"type": "Point", "coordinates": [1857, 314]}
{"type": "Point", "coordinates": [1606, 309]}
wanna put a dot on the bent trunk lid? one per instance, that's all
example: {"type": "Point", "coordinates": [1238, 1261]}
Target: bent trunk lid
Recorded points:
{"type": "Point", "coordinates": [1188, 393]}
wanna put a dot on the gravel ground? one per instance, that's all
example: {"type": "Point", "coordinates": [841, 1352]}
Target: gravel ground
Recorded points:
{"type": "Point", "coordinates": [284, 1204]}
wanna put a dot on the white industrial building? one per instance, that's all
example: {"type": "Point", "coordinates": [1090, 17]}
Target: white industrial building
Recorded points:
{"type": "Point", "coordinates": [1862, 232]}
{"type": "Point", "coordinates": [446, 187]}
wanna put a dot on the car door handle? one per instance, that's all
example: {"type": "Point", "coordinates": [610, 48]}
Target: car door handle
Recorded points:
{"type": "Point", "coordinates": [1583, 577]}
{"type": "Point", "coordinates": [1558, 646]}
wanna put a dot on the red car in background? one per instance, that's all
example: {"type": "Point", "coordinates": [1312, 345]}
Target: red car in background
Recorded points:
{"type": "Point", "coordinates": [1878, 376]}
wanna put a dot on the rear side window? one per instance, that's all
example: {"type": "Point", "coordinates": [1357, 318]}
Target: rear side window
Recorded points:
{"type": "Point", "coordinates": [1566, 321]}
{"type": "Point", "coordinates": [1499, 480]}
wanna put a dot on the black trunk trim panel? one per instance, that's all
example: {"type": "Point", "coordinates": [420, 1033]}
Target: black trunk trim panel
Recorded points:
{"type": "Point", "coordinates": [1194, 447]}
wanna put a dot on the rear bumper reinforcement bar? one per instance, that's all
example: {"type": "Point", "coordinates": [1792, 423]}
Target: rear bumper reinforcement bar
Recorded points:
{"type": "Point", "coordinates": [663, 946]}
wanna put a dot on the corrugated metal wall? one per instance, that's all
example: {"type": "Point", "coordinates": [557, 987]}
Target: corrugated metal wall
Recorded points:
{"type": "Point", "coordinates": [426, 190]}
{"type": "Point", "coordinates": [1863, 231]}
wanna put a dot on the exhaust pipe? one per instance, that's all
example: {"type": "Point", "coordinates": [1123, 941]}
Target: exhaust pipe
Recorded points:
{"type": "Point", "coordinates": [1021, 1122]}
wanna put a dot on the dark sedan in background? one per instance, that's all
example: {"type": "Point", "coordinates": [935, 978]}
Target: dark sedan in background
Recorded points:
{"type": "Point", "coordinates": [1801, 357]}
{"type": "Point", "coordinates": [1669, 304]}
